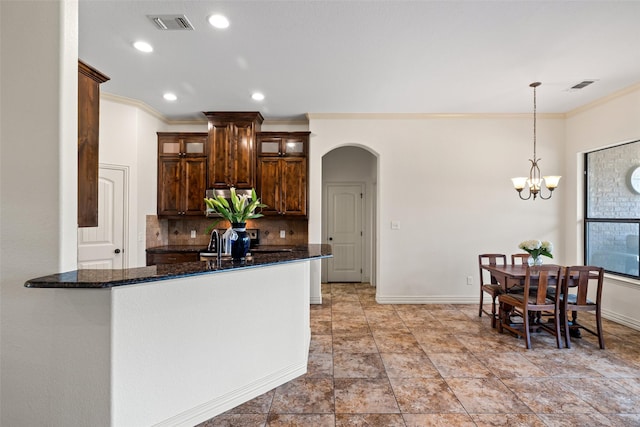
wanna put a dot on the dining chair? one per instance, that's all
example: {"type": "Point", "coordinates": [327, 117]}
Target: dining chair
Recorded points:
{"type": "Point", "coordinates": [575, 288]}
{"type": "Point", "coordinates": [532, 301]}
{"type": "Point", "coordinates": [492, 287]}
{"type": "Point", "coordinates": [519, 258]}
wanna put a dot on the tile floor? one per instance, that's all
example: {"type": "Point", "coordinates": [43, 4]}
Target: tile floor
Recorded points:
{"type": "Point", "coordinates": [442, 365]}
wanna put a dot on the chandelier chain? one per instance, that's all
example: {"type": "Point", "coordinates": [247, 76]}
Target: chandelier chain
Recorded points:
{"type": "Point", "coordinates": [534, 123]}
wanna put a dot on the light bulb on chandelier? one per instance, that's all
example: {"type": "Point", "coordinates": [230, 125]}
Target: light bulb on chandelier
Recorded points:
{"type": "Point", "coordinates": [534, 182]}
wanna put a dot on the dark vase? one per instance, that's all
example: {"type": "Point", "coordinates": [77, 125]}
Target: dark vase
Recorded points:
{"type": "Point", "coordinates": [240, 246]}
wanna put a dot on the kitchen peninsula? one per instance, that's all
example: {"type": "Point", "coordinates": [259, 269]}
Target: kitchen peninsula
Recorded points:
{"type": "Point", "coordinates": [178, 344]}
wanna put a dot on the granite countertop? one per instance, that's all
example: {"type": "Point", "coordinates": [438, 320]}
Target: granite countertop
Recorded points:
{"type": "Point", "coordinates": [176, 248]}
{"type": "Point", "coordinates": [132, 276]}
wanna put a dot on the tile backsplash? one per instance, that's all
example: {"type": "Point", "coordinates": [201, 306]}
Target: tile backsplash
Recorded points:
{"type": "Point", "coordinates": [162, 232]}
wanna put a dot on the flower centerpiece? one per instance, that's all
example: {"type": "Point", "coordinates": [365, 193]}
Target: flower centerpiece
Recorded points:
{"type": "Point", "coordinates": [537, 249]}
{"type": "Point", "coordinates": [237, 212]}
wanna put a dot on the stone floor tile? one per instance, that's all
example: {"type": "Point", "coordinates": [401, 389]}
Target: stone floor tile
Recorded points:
{"type": "Point", "coordinates": [236, 420]}
{"type": "Point", "coordinates": [438, 420]}
{"type": "Point", "coordinates": [546, 396]}
{"type": "Point", "coordinates": [304, 395]}
{"type": "Point", "coordinates": [290, 420]}
{"type": "Point", "coordinates": [425, 395]}
{"type": "Point", "coordinates": [442, 365]}
{"type": "Point", "coordinates": [486, 396]}
{"type": "Point", "coordinates": [409, 365]}
{"type": "Point", "coordinates": [459, 365]}
{"type": "Point", "coordinates": [355, 343]}
{"type": "Point", "coordinates": [509, 365]}
{"type": "Point", "coordinates": [591, 419]}
{"type": "Point", "coordinates": [508, 420]}
{"type": "Point", "coordinates": [439, 342]}
{"type": "Point", "coordinates": [396, 342]}
{"type": "Point", "coordinates": [367, 420]}
{"type": "Point", "coordinates": [364, 396]}
{"type": "Point", "coordinates": [320, 365]}
{"type": "Point", "coordinates": [321, 343]}
{"type": "Point", "coordinates": [604, 394]}
{"type": "Point", "coordinates": [358, 365]}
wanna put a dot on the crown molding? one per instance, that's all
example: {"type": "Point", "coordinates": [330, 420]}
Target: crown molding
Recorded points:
{"type": "Point", "coordinates": [427, 116]}
{"type": "Point", "coordinates": [603, 100]}
{"type": "Point", "coordinates": [155, 113]}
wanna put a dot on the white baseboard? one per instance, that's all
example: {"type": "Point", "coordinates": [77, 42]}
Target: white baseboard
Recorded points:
{"type": "Point", "coordinates": [315, 300]}
{"type": "Point", "coordinates": [230, 400]}
{"type": "Point", "coordinates": [622, 319]}
{"type": "Point", "coordinates": [424, 299]}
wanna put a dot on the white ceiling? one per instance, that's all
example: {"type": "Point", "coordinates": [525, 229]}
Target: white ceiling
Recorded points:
{"type": "Point", "coordinates": [321, 56]}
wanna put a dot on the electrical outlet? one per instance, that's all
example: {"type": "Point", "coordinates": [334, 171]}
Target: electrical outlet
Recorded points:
{"type": "Point", "coordinates": [395, 225]}
{"type": "Point", "coordinates": [193, 234]}
{"type": "Point", "coordinates": [283, 234]}
{"type": "Point", "coordinates": [469, 280]}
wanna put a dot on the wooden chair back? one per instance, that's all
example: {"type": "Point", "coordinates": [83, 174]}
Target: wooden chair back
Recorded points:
{"type": "Point", "coordinates": [575, 289]}
{"type": "Point", "coordinates": [490, 259]}
{"type": "Point", "coordinates": [519, 258]}
{"type": "Point", "coordinates": [537, 282]}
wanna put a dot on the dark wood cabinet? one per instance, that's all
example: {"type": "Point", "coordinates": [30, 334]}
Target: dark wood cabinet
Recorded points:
{"type": "Point", "coordinates": [89, 80]}
{"type": "Point", "coordinates": [171, 257]}
{"type": "Point", "coordinates": [231, 149]}
{"type": "Point", "coordinates": [182, 173]}
{"type": "Point", "coordinates": [282, 172]}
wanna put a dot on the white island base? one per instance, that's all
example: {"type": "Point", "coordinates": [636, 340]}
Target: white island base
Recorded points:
{"type": "Point", "coordinates": [178, 352]}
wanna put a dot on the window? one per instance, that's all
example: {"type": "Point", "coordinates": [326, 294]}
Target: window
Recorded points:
{"type": "Point", "coordinates": [612, 209]}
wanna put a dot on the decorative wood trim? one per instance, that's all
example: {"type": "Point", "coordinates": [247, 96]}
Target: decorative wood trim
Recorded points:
{"type": "Point", "coordinates": [91, 72]}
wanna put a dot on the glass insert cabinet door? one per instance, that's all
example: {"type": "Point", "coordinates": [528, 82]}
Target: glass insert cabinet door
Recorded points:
{"type": "Point", "coordinates": [171, 145]}
{"type": "Point", "coordinates": [281, 146]}
{"type": "Point", "coordinates": [194, 147]}
{"type": "Point", "coordinates": [293, 147]}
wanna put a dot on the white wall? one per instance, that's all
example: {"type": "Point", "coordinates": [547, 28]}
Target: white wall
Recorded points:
{"type": "Point", "coordinates": [609, 122]}
{"type": "Point", "coordinates": [128, 138]}
{"type": "Point", "coordinates": [447, 180]}
{"type": "Point", "coordinates": [38, 212]}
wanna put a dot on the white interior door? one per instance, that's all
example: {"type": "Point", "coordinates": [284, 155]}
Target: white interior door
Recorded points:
{"type": "Point", "coordinates": [103, 246]}
{"type": "Point", "coordinates": [344, 232]}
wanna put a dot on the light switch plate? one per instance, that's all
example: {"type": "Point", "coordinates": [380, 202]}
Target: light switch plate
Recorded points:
{"type": "Point", "coordinates": [283, 234]}
{"type": "Point", "coordinates": [193, 234]}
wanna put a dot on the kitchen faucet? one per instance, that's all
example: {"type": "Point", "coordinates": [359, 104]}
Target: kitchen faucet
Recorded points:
{"type": "Point", "coordinates": [215, 243]}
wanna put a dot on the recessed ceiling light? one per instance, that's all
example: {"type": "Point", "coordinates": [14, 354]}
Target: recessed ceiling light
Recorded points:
{"type": "Point", "coordinates": [169, 96]}
{"type": "Point", "coordinates": [219, 21]}
{"type": "Point", "coordinates": [143, 46]}
{"type": "Point", "coordinates": [257, 96]}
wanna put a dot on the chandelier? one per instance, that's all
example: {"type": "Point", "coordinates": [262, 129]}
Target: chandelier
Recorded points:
{"type": "Point", "coordinates": [535, 180]}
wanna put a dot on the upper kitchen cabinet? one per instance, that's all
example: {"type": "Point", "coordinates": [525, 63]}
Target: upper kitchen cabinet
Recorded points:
{"type": "Point", "coordinates": [182, 173]}
{"type": "Point", "coordinates": [89, 80]}
{"type": "Point", "coordinates": [282, 172]}
{"type": "Point", "coordinates": [232, 148]}
{"type": "Point", "coordinates": [290, 144]}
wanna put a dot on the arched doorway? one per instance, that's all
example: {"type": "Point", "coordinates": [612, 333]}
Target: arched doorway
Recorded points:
{"type": "Point", "coordinates": [349, 200]}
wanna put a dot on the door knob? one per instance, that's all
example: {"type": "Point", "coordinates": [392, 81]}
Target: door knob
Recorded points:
{"type": "Point", "coordinates": [330, 238]}
{"type": "Point", "coordinates": [117, 251]}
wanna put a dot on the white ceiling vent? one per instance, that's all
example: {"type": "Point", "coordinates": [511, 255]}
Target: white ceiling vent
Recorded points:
{"type": "Point", "coordinates": [171, 22]}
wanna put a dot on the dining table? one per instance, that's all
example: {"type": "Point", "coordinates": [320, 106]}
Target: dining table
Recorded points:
{"type": "Point", "coordinates": [507, 275]}
{"type": "Point", "coordinates": [511, 277]}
